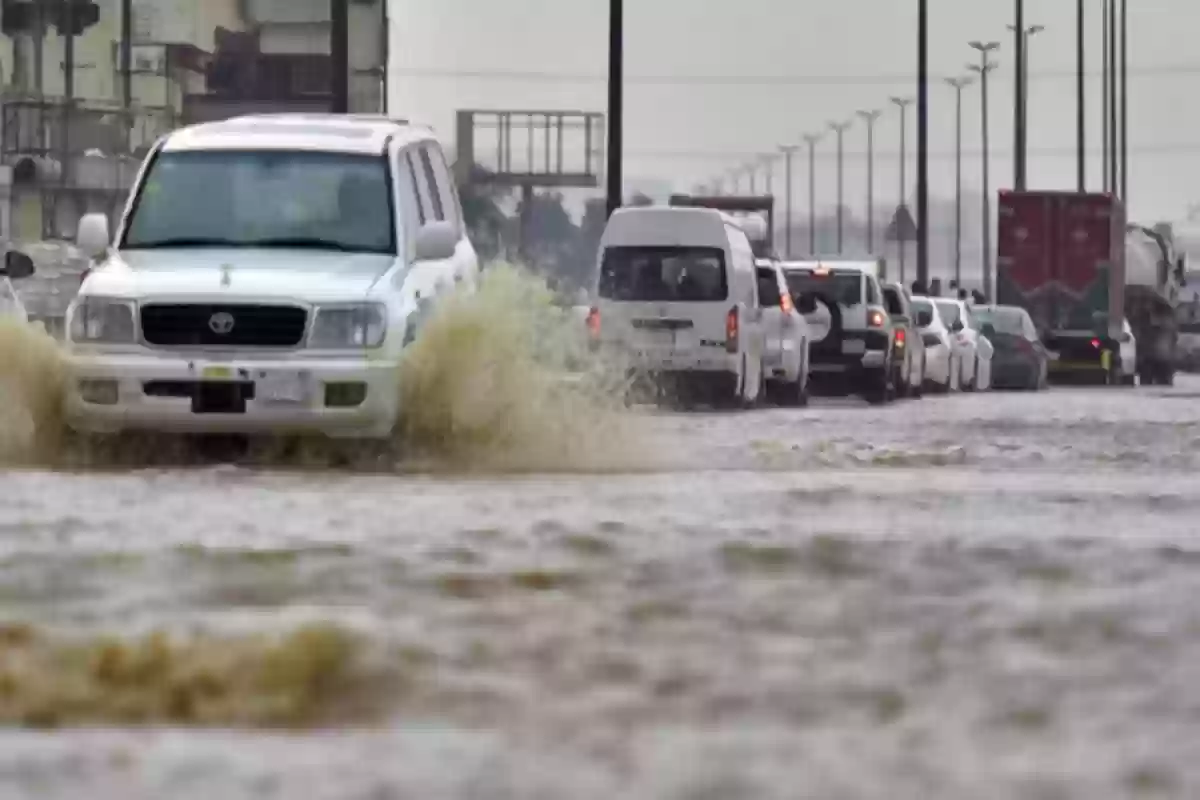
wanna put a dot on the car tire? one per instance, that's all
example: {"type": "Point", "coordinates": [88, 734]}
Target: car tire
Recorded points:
{"type": "Point", "coordinates": [877, 387]}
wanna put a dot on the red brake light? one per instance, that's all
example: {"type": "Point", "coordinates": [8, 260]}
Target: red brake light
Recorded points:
{"type": "Point", "coordinates": [1096, 343]}
{"type": "Point", "coordinates": [593, 322]}
{"type": "Point", "coordinates": [731, 330]}
{"type": "Point", "coordinates": [875, 319]}
{"type": "Point", "coordinates": [901, 336]}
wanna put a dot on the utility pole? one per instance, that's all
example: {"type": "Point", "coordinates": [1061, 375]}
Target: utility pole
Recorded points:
{"type": "Point", "coordinates": [903, 103]}
{"type": "Point", "coordinates": [870, 118]}
{"type": "Point", "coordinates": [958, 84]}
{"type": "Point", "coordinates": [840, 128]}
{"type": "Point", "coordinates": [1106, 76]}
{"type": "Point", "coordinates": [1125, 103]}
{"type": "Point", "coordinates": [127, 60]}
{"type": "Point", "coordinates": [616, 98]}
{"type": "Point", "coordinates": [1018, 29]}
{"type": "Point", "coordinates": [1114, 134]}
{"type": "Point", "coordinates": [811, 140]}
{"type": "Point", "coordinates": [923, 142]}
{"type": "Point", "coordinates": [339, 56]}
{"type": "Point", "coordinates": [1080, 95]}
{"type": "Point", "coordinates": [983, 68]}
{"type": "Point", "coordinates": [788, 151]}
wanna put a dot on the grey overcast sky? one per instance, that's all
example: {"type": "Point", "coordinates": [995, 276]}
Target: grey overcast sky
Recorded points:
{"type": "Point", "coordinates": [793, 66]}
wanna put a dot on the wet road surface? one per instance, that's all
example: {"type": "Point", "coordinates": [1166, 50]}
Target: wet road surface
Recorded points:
{"type": "Point", "coordinates": [987, 596]}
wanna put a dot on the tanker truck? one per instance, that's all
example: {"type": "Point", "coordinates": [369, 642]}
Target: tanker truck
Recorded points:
{"type": "Point", "coordinates": [1154, 279]}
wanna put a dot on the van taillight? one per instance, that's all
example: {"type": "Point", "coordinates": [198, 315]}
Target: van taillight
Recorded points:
{"type": "Point", "coordinates": [593, 322]}
{"type": "Point", "coordinates": [901, 337]}
{"type": "Point", "coordinates": [731, 330]}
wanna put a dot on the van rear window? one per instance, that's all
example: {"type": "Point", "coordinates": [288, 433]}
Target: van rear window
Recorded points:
{"type": "Point", "coordinates": [664, 274]}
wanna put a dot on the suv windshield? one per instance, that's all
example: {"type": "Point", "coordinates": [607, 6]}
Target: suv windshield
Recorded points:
{"type": "Point", "coordinates": [334, 201]}
{"type": "Point", "coordinates": [843, 288]}
{"type": "Point", "coordinates": [663, 274]}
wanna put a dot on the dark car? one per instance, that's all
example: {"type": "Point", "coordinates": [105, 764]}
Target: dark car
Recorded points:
{"type": "Point", "coordinates": [1020, 360]}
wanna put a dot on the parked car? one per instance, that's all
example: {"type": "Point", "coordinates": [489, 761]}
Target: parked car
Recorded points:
{"type": "Point", "coordinates": [942, 355]}
{"type": "Point", "coordinates": [17, 266]}
{"type": "Point", "coordinates": [677, 297]}
{"type": "Point", "coordinates": [909, 346]}
{"type": "Point", "coordinates": [785, 357]}
{"type": "Point", "coordinates": [1020, 359]}
{"type": "Point", "coordinates": [975, 351]}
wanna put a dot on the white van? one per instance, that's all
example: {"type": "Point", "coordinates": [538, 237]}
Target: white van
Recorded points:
{"type": "Point", "coordinates": [677, 294]}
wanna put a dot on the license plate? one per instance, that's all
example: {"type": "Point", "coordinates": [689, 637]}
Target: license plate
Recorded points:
{"type": "Point", "coordinates": [854, 347]}
{"type": "Point", "coordinates": [655, 339]}
{"type": "Point", "coordinates": [281, 387]}
{"type": "Point", "coordinates": [217, 373]}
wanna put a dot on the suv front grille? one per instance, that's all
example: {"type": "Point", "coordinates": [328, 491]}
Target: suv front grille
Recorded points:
{"type": "Point", "coordinates": [208, 324]}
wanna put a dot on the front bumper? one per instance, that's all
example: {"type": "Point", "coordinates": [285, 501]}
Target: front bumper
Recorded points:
{"type": "Point", "coordinates": [351, 397]}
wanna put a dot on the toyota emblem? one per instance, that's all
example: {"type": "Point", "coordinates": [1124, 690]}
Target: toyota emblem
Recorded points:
{"type": "Point", "coordinates": [221, 323]}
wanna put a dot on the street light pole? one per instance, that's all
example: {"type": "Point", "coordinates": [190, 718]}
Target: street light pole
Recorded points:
{"type": "Point", "coordinates": [903, 103]}
{"type": "Point", "coordinates": [1114, 135]}
{"type": "Point", "coordinates": [958, 84]}
{"type": "Point", "coordinates": [840, 128]}
{"type": "Point", "coordinates": [616, 87]}
{"type": "Point", "coordinates": [1124, 103]}
{"type": "Point", "coordinates": [769, 169]}
{"type": "Point", "coordinates": [870, 117]}
{"type": "Point", "coordinates": [1018, 29]}
{"type": "Point", "coordinates": [811, 140]}
{"type": "Point", "coordinates": [1106, 79]}
{"type": "Point", "coordinates": [753, 171]}
{"type": "Point", "coordinates": [788, 152]}
{"type": "Point", "coordinates": [923, 142]}
{"type": "Point", "coordinates": [983, 68]}
{"type": "Point", "coordinates": [1080, 96]}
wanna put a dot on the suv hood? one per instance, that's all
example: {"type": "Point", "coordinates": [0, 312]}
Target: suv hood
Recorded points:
{"type": "Point", "coordinates": [241, 273]}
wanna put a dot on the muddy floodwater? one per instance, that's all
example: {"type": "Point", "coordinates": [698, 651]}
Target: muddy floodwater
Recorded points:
{"type": "Point", "coordinates": [989, 596]}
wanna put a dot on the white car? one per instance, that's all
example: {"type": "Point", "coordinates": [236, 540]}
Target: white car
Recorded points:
{"type": "Point", "coordinates": [17, 266]}
{"type": "Point", "coordinates": [785, 358]}
{"type": "Point", "coordinates": [265, 277]}
{"type": "Point", "coordinates": [942, 366]}
{"type": "Point", "coordinates": [677, 295]}
{"type": "Point", "coordinates": [975, 351]}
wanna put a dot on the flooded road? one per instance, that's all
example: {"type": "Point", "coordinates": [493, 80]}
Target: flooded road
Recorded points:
{"type": "Point", "coordinates": [987, 596]}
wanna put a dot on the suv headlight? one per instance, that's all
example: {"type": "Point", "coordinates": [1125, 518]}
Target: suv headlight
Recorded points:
{"type": "Point", "coordinates": [337, 327]}
{"type": "Point", "coordinates": [103, 321]}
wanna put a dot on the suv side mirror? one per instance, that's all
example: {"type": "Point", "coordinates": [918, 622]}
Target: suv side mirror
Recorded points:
{"type": "Point", "coordinates": [93, 237]}
{"type": "Point", "coordinates": [924, 319]}
{"type": "Point", "coordinates": [436, 241]}
{"type": "Point", "coordinates": [17, 265]}
{"type": "Point", "coordinates": [806, 303]}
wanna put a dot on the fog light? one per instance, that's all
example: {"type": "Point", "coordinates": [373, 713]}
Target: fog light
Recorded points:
{"type": "Point", "coordinates": [98, 392]}
{"type": "Point", "coordinates": [345, 395]}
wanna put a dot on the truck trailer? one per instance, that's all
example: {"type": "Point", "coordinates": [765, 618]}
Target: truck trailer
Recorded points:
{"type": "Point", "coordinates": [1061, 257]}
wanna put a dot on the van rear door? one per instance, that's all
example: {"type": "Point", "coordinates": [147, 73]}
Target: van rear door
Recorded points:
{"type": "Point", "coordinates": [664, 299]}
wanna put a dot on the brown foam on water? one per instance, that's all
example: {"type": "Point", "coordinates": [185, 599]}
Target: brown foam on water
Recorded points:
{"type": "Point", "coordinates": [32, 372]}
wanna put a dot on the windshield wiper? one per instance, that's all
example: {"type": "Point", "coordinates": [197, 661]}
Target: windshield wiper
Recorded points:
{"type": "Point", "coordinates": [182, 241]}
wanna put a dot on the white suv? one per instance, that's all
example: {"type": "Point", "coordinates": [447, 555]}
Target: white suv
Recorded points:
{"type": "Point", "coordinates": [266, 275]}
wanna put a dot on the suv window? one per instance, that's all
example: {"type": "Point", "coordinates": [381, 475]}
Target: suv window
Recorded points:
{"type": "Point", "coordinates": [873, 298]}
{"type": "Point", "coordinates": [841, 287]}
{"type": "Point", "coordinates": [431, 183]}
{"type": "Point", "coordinates": [768, 288]}
{"type": "Point", "coordinates": [893, 301]}
{"type": "Point", "coordinates": [663, 274]}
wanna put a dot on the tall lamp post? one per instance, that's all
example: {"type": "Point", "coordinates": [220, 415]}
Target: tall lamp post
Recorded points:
{"type": "Point", "coordinates": [870, 118]}
{"type": "Point", "coordinates": [616, 87]}
{"type": "Point", "coordinates": [788, 152]}
{"type": "Point", "coordinates": [768, 162]}
{"type": "Point", "coordinates": [983, 68]}
{"type": "Point", "coordinates": [958, 84]}
{"type": "Point", "coordinates": [1021, 101]}
{"type": "Point", "coordinates": [1124, 112]}
{"type": "Point", "coordinates": [839, 129]}
{"type": "Point", "coordinates": [903, 103]}
{"type": "Point", "coordinates": [811, 140]}
{"type": "Point", "coordinates": [1081, 95]}
{"type": "Point", "coordinates": [923, 142]}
